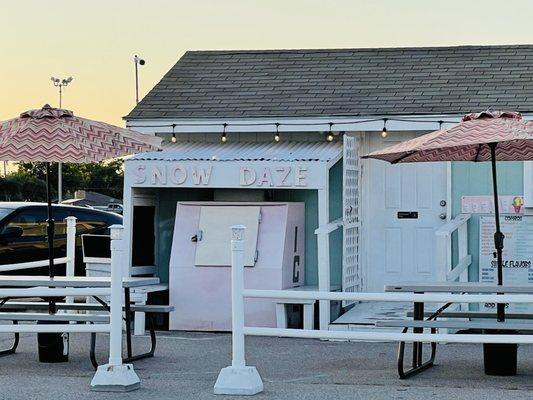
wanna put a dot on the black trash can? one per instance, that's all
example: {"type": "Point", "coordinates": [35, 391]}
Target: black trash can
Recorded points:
{"type": "Point", "coordinates": [53, 347]}
{"type": "Point", "coordinates": [500, 359]}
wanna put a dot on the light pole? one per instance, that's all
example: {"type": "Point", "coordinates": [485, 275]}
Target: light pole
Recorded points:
{"type": "Point", "coordinates": [137, 61]}
{"type": "Point", "coordinates": [60, 83]}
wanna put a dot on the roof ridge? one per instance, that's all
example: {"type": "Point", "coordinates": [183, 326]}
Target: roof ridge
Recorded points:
{"type": "Point", "coordinates": [356, 49]}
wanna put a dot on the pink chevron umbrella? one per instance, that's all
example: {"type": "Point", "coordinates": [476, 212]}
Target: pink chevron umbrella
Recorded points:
{"type": "Point", "coordinates": [486, 136]}
{"type": "Point", "coordinates": [56, 135]}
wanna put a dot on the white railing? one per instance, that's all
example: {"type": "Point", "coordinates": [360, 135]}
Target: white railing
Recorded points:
{"type": "Point", "coordinates": [69, 260]}
{"type": "Point", "coordinates": [446, 271]}
{"type": "Point", "coordinates": [240, 379]}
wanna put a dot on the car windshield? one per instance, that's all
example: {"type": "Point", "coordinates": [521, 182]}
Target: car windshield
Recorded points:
{"type": "Point", "coordinates": [4, 212]}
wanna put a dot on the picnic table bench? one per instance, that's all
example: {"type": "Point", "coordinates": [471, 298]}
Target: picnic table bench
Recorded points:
{"type": "Point", "coordinates": [428, 320]}
{"type": "Point", "coordinates": [14, 310]}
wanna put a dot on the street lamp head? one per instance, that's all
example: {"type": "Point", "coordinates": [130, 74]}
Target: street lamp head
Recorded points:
{"type": "Point", "coordinates": [138, 60]}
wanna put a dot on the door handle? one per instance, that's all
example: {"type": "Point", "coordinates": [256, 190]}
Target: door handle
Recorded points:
{"type": "Point", "coordinates": [442, 215]}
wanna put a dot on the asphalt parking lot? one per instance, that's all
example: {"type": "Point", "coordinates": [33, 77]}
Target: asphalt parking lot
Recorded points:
{"type": "Point", "coordinates": [187, 364]}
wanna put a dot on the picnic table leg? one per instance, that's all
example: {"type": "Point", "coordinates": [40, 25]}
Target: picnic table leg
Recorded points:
{"type": "Point", "coordinates": [417, 364]}
{"type": "Point", "coordinates": [418, 315]}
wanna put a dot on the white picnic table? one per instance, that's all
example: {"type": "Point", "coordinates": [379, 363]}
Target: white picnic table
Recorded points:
{"type": "Point", "coordinates": [418, 324]}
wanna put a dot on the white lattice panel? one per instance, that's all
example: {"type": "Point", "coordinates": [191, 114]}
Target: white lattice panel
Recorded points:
{"type": "Point", "coordinates": [351, 265]}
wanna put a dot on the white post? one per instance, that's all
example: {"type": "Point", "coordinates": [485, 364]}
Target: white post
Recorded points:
{"type": "Point", "coordinates": [115, 376]}
{"type": "Point", "coordinates": [324, 280]}
{"type": "Point", "coordinates": [462, 248]}
{"type": "Point", "coordinates": [238, 379]}
{"type": "Point", "coordinates": [71, 250]}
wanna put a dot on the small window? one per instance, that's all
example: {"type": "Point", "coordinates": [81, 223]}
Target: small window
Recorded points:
{"type": "Point", "coordinates": [31, 220]}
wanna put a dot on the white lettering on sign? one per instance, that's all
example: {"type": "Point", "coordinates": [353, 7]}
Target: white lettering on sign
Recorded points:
{"type": "Point", "coordinates": [201, 175]}
{"type": "Point", "coordinates": [265, 177]}
{"type": "Point", "coordinates": [282, 175]}
{"type": "Point", "coordinates": [178, 175]}
{"type": "Point", "coordinates": [247, 176]}
{"type": "Point", "coordinates": [181, 174]}
{"type": "Point", "coordinates": [140, 174]}
{"type": "Point", "coordinates": [301, 175]}
{"type": "Point", "coordinates": [159, 176]}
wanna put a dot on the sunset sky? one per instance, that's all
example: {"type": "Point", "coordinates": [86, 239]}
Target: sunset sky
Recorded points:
{"type": "Point", "coordinates": [94, 41]}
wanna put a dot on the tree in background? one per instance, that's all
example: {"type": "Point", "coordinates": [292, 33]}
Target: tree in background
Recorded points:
{"type": "Point", "coordinates": [29, 182]}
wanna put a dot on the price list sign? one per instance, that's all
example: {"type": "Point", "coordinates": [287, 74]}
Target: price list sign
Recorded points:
{"type": "Point", "coordinates": [517, 253]}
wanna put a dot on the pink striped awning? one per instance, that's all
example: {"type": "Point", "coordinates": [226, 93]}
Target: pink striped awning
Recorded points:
{"type": "Point", "coordinates": [56, 135]}
{"type": "Point", "coordinates": [468, 141]}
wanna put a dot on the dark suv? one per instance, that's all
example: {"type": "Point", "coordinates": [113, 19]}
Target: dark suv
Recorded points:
{"type": "Point", "coordinates": [23, 233]}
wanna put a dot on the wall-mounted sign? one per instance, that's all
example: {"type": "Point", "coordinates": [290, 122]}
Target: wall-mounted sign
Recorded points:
{"type": "Point", "coordinates": [485, 204]}
{"type": "Point", "coordinates": [517, 253]}
{"type": "Point", "coordinates": [252, 175]}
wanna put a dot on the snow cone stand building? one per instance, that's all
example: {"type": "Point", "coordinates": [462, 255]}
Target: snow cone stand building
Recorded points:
{"type": "Point", "coordinates": [272, 140]}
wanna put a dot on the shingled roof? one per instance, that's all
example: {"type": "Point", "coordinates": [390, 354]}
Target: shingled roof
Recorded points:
{"type": "Point", "coordinates": [343, 82]}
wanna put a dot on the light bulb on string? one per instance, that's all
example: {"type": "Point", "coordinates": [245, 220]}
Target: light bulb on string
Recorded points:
{"type": "Point", "coordinates": [384, 132]}
{"type": "Point", "coordinates": [173, 139]}
{"type": "Point", "coordinates": [329, 136]}
{"type": "Point", "coordinates": [277, 137]}
{"type": "Point", "coordinates": [440, 124]}
{"type": "Point", "coordinates": [224, 138]}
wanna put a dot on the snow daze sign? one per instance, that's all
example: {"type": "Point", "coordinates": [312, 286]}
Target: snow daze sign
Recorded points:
{"type": "Point", "coordinates": [227, 174]}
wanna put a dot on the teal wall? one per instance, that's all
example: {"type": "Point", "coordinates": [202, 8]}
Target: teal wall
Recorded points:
{"type": "Point", "coordinates": [475, 179]}
{"type": "Point", "coordinates": [166, 213]}
{"type": "Point", "coordinates": [335, 212]}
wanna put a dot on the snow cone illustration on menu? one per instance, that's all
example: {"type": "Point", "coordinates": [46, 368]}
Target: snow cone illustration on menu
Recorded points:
{"type": "Point", "coordinates": [518, 202]}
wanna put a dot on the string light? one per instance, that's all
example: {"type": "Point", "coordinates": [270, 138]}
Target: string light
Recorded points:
{"type": "Point", "coordinates": [224, 138]}
{"type": "Point", "coordinates": [277, 138]}
{"type": "Point", "coordinates": [329, 136]}
{"type": "Point", "coordinates": [440, 124]}
{"type": "Point", "coordinates": [173, 139]}
{"type": "Point", "coordinates": [384, 132]}
{"type": "Point", "coordinates": [314, 124]}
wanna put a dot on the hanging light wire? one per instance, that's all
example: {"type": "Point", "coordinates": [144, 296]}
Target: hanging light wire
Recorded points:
{"type": "Point", "coordinates": [173, 139]}
{"type": "Point", "coordinates": [224, 139]}
{"type": "Point", "coordinates": [354, 122]}
{"type": "Point", "coordinates": [384, 132]}
{"type": "Point", "coordinates": [277, 137]}
{"type": "Point", "coordinates": [329, 136]}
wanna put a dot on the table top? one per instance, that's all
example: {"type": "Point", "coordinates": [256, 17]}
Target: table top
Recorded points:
{"type": "Point", "coordinates": [467, 287]}
{"type": "Point", "coordinates": [77, 282]}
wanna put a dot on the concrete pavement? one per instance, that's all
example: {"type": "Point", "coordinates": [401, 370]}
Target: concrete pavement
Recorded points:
{"type": "Point", "coordinates": [187, 364]}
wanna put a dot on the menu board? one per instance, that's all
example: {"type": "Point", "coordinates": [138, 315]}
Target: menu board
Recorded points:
{"type": "Point", "coordinates": [517, 254]}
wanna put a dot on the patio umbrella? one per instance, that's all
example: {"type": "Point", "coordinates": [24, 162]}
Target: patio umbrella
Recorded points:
{"type": "Point", "coordinates": [486, 136]}
{"type": "Point", "coordinates": [56, 135]}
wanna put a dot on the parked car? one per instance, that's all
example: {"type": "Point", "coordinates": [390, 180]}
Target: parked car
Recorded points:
{"type": "Point", "coordinates": [111, 207]}
{"type": "Point", "coordinates": [23, 233]}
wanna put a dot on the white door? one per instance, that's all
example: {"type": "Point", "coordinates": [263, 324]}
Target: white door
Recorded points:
{"type": "Point", "coordinates": [405, 204]}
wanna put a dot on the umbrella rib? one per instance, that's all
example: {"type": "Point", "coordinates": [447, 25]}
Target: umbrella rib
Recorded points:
{"type": "Point", "coordinates": [478, 152]}
{"type": "Point", "coordinates": [403, 157]}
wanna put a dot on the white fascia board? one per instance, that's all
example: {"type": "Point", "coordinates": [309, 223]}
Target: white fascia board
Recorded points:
{"type": "Point", "coordinates": [316, 124]}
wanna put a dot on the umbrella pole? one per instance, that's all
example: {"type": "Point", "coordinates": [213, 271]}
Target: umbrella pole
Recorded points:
{"type": "Point", "coordinates": [498, 235]}
{"type": "Point", "coordinates": [50, 232]}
